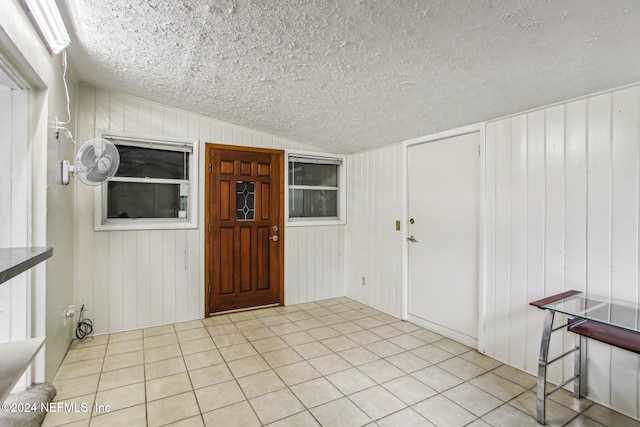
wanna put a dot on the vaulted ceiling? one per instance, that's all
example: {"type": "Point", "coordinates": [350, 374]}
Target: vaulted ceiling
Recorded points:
{"type": "Point", "coordinates": [349, 75]}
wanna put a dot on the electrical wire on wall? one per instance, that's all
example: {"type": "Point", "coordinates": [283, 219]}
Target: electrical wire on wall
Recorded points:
{"type": "Point", "coordinates": [62, 125]}
{"type": "Point", "coordinates": [84, 327]}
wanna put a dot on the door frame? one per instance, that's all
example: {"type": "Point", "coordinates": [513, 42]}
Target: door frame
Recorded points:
{"type": "Point", "coordinates": [205, 224]}
{"type": "Point", "coordinates": [480, 128]}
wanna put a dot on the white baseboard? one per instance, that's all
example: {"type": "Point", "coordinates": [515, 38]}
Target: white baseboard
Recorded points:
{"type": "Point", "coordinates": [444, 331]}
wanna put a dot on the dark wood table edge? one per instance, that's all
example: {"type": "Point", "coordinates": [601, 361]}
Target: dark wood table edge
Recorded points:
{"type": "Point", "coordinates": [553, 298]}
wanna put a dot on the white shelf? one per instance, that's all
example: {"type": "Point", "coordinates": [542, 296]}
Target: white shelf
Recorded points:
{"type": "Point", "coordinates": [15, 358]}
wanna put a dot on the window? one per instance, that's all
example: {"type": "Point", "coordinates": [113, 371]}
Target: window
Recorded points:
{"type": "Point", "coordinates": [315, 189]}
{"type": "Point", "coordinates": [155, 186]}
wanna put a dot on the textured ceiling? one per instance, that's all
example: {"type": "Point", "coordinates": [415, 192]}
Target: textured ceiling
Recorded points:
{"type": "Point", "coordinates": [348, 75]}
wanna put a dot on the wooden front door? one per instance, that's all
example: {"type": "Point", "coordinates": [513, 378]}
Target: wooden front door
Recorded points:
{"type": "Point", "coordinates": [244, 252]}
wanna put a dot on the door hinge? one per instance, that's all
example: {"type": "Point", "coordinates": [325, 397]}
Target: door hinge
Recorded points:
{"type": "Point", "coordinates": [209, 288]}
{"type": "Point", "coordinates": [209, 228]}
{"type": "Point", "coordinates": [478, 150]}
{"type": "Point", "coordinates": [210, 167]}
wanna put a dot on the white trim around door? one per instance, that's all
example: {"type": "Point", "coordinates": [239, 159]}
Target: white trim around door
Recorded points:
{"type": "Point", "coordinates": [480, 128]}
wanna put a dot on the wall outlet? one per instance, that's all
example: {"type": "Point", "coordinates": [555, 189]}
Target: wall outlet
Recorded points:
{"type": "Point", "coordinates": [70, 311]}
{"type": "Point", "coordinates": [364, 281]}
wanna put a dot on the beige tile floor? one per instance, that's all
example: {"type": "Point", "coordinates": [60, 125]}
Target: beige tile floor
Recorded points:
{"type": "Point", "coordinates": [332, 363]}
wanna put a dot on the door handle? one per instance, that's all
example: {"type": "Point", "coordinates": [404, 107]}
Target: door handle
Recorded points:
{"type": "Point", "coordinates": [274, 238]}
{"type": "Point", "coordinates": [412, 239]}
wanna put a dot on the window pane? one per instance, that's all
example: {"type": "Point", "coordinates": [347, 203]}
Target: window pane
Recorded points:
{"type": "Point", "coordinates": [313, 203]}
{"type": "Point", "coordinates": [313, 174]}
{"type": "Point", "coordinates": [145, 200]}
{"type": "Point", "coordinates": [140, 162]}
{"type": "Point", "coordinates": [245, 200]}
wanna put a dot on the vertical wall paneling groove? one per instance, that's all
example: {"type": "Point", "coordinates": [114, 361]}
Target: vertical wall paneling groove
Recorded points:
{"type": "Point", "coordinates": [116, 113]}
{"type": "Point", "coordinates": [575, 202]}
{"type": "Point", "coordinates": [503, 235]}
{"type": "Point", "coordinates": [554, 215]}
{"type": "Point", "coordinates": [318, 270]}
{"type": "Point", "coordinates": [624, 233]}
{"type": "Point", "coordinates": [169, 274]}
{"type": "Point", "coordinates": [562, 212]}
{"type": "Point", "coordinates": [310, 264]}
{"type": "Point", "coordinates": [195, 255]}
{"type": "Point", "coordinates": [141, 303]}
{"type": "Point", "coordinates": [290, 294]}
{"type": "Point", "coordinates": [115, 277]}
{"type": "Point", "coordinates": [130, 115]}
{"type": "Point", "coordinates": [181, 275]}
{"type": "Point", "coordinates": [599, 232]}
{"type": "Point", "coordinates": [490, 240]}
{"type": "Point", "coordinates": [535, 228]}
{"type": "Point", "coordinates": [144, 118]}
{"type": "Point", "coordinates": [157, 279]}
{"type": "Point", "coordinates": [518, 238]}
{"type": "Point", "coordinates": [141, 278]}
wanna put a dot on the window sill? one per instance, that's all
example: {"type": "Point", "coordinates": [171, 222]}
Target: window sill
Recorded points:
{"type": "Point", "coordinates": [146, 225]}
{"type": "Point", "coordinates": [315, 222]}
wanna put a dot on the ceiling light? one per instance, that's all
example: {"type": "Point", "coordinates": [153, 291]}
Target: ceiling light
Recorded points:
{"type": "Point", "coordinates": [49, 20]}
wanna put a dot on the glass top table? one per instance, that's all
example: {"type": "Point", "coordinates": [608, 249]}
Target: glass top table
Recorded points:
{"type": "Point", "coordinates": [613, 322]}
{"type": "Point", "coordinates": [618, 313]}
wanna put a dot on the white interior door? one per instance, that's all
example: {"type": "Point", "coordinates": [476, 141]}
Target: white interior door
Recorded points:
{"type": "Point", "coordinates": [443, 194]}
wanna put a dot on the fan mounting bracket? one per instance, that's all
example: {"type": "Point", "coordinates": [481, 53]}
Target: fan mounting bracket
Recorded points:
{"type": "Point", "coordinates": [67, 171]}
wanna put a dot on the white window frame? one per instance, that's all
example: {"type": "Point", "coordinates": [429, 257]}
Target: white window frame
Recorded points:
{"type": "Point", "coordinates": [102, 223]}
{"type": "Point", "coordinates": [342, 190]}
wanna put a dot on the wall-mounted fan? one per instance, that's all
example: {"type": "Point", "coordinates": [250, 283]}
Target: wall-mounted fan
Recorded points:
{"type": "Point", "coordinates": [96, 161]}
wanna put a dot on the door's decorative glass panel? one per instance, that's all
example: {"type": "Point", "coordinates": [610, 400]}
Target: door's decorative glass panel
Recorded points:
{"type": "Point", "coordinates": [245, 200]}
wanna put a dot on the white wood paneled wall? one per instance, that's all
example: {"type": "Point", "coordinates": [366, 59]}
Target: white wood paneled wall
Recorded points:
{"type": "Point", "coordinates": [133, 279]}
{"type": "Point", "coordinates": [314, 261]}
{"type": "Point", "coordinates": [15, 213]}
{"type": "Point", "coordinates": [562, 212]}
{"type": "Point", "coordinates": [374, 247]}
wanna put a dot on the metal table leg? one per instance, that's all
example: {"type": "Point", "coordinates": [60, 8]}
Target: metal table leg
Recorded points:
{"type": "Point", "coordinates": [542, 364]}
{"type": "Point", "coordinates": [579, 363]}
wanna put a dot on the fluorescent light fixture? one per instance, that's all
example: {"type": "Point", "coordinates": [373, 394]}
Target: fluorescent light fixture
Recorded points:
{"type": "Point", "coordinates": [48, 18]}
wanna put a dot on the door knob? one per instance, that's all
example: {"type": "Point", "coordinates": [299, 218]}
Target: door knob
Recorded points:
{"type": "Point", "coordinates": [274, 238]}
{"type": "Point", "coordinates": [412, 239]}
